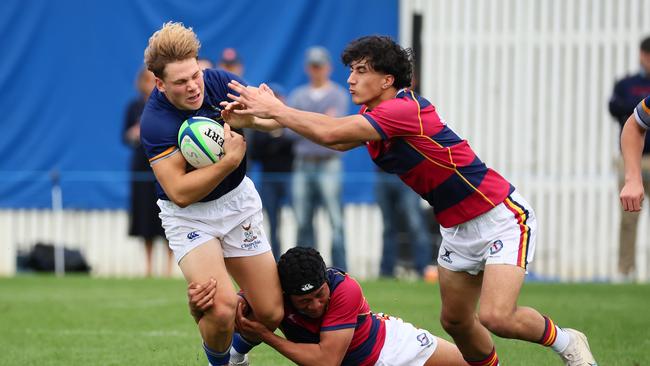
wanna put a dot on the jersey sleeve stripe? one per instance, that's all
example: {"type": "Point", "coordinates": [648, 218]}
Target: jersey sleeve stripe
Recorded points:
{"type": "Point", "coordinates": [376, 126]}
{"type": "Point", "coordinates": [639, 120]}
{"type": "Point", "coordinates": [167, 153]}
{"type": "Point", "coordinates": [339, 326]}
{"type": "Point", "coordinates": [642, 114]}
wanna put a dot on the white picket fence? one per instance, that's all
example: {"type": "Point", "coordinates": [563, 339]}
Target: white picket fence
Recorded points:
{"type": "Point", "coordinates": [527, 83]}
{"type": "Point", "coordinates": [101, 235]}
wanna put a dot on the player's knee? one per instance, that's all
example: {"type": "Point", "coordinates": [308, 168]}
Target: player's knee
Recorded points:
{"type": "Point", "coordinates": [454, 324]}
{"type": "Point", "coordinates": [270, 317]}
{"type": "Point", "coordinates": [496, 321]}
{"type": "Point", "coordinates": [222, 313]}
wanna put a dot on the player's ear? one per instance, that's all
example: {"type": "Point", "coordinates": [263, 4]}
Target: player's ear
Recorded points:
{"type": "Point", "coordinates": [160, 85]}
{"type": "Point", "coordinates": [388, 81]}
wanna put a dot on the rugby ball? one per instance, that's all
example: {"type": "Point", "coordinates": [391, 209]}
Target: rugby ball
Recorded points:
{"type": "Point", "coordinates": [200, 140]}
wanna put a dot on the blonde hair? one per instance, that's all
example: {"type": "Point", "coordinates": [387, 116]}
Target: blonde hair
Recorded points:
{"type": "Point", "coordinates": [173, 42]}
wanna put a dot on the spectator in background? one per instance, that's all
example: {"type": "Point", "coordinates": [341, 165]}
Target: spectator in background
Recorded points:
{"type": "Point", "coordinates": [317, 170]}
{"type": "Point", "coordinates": [274, 151]}
{"type": "Point", "coordinates": [231, 62]}
{"type": "Point", "coordinates": [398, 203]}
{"type": "Point", "coordinates": [205, 63]}
{"type": "Point", "coordinates": [143, 215]}
{"type": "Point", "coordinates": [628, 92]}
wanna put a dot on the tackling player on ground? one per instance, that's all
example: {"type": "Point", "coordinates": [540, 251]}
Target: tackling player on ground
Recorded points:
{"type": "Point", "coordinates": [488, 228]}
{"type": "Point", "coordinates": [212, 216]}
{"type": "Point", "coordinates": [328, 321]}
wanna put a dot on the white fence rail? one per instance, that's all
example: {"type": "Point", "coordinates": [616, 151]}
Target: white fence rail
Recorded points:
{"type": "Point", "coordinates": [101, 235]}
{"type": "Point", "coordinates": [527, 83]}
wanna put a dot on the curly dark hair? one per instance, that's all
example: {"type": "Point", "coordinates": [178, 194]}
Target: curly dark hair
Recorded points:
{"type": "Point", "coordinates": [301, 271]}
{"type": "Point", "coordinates": [384, 56]}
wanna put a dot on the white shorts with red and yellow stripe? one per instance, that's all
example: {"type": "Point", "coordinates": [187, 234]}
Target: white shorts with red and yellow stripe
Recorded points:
{"type": "Point", "coordinates": [504, 235]}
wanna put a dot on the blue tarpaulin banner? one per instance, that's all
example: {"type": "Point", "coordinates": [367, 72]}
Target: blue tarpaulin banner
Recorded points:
{"type": "Point", "coordinates": [67, 73]}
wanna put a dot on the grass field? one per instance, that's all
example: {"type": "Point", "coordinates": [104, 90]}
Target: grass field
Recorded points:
{"type": "Point", "coordinates": [85, 321]}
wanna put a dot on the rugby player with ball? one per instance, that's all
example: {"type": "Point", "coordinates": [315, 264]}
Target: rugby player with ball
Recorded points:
{"type": "Point", "coordinates": [211, 212]}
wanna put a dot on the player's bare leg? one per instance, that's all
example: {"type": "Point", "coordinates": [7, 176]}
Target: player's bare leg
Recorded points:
{"type": "Point", "coordinates": [446, 354]}
{"type": "Point", "coordinates": [258, 277]}
{"type": "Point", "coordinates": [217, 323]}
{"type": "Point", "coordinates": [498, 310]}
{"type": "Point", "coordinates": [500, 314]}
{"type": "Point", "coordinates": [459, 292]}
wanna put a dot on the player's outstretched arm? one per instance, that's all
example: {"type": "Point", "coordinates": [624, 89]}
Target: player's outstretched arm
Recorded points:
{"type": "Point", "coordinates": [185, 188]}
{"type": "Point", "coordinates": [632, 141]}
{"type": "Point", "coordinates": [336, 133]}
{"type": "Point", "coordinates": [246, 120]}
{"type": "Point", "coordinates": [329, 352]}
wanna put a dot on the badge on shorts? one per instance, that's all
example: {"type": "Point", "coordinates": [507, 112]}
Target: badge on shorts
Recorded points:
{"type": "Point", "coordinates": [496, 247]}
{"type": "Point", "coordinates": [193, 235]}
{"type": "Point", "coordinates": [251, 242]}
{"type": "Point", "coordinates": [446, 256]}
{"type": "Point", "coordinates": [423, 339]}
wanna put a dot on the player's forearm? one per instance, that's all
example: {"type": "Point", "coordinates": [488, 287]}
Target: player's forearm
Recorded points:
{"type": "Point", "coordinates": [262, 124]}
{"type": "Point", "coordinates": [195, 185]}
{"type": "Point", "coordinates": [632, 142]}
{"type": "Point", "coordinates": [344, 146]}
{"type": "Point", "coordinates": [316, 127]}
{"type": "Point", "coordinates": [300, 353]}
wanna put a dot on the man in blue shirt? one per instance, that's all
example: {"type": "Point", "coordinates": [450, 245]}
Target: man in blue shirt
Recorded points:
{"type": "Point", "coordinates": [212, 216]}
{"type": "Point", "coordinates": [317, 171]}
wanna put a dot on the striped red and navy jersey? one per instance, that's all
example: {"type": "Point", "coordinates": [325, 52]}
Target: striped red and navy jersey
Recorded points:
{"type": "Point", "coordinates": [642, 113]}
{"type": "Point", "coordinates": [431, 159]}
{"type": "Point", "coordinates": [347, 308]}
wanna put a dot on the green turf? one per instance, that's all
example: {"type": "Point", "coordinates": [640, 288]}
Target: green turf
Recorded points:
{"type": "Point", "coordinates": [84, 321]}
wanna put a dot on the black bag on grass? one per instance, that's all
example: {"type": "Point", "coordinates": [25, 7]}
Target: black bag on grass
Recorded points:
{"type": "Point", "coordinates": [41, 259]}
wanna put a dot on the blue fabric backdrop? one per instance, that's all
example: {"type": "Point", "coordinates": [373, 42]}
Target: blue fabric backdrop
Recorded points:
{"type": "Point", "coordinates": [67, 72]}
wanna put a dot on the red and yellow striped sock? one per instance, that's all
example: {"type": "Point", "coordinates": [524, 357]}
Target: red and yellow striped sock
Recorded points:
{"type": "Point", "coordinates": [554, 336]}
{"type": "Point", "coordinates": [550, 333]}
{"type": "Point", "coordinates": [491, 360]}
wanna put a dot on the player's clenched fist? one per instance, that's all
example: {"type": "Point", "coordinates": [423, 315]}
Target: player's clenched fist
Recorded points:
{"type": "Point", "coordinates": [632, 196]}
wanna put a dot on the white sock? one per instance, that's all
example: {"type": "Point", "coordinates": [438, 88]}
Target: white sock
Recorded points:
{"type": "Point", "coordinates": [561, 340]}
{"type": "Point", "coordinates": [235, 356]}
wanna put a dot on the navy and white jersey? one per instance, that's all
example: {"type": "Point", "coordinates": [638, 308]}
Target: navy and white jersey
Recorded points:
{"type": "Point", "coordinates": [161, 121]}
{"type": "Point", "coordinates": [642, 113]}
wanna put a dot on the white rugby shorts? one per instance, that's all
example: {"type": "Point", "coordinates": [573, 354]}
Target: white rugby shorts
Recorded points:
{"type": "Point", "coordinates": [405, 345]}
{"type": "Point", "coordinates": [234, 218]}
{"type": "Point", "coordinates": [504, 235]}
